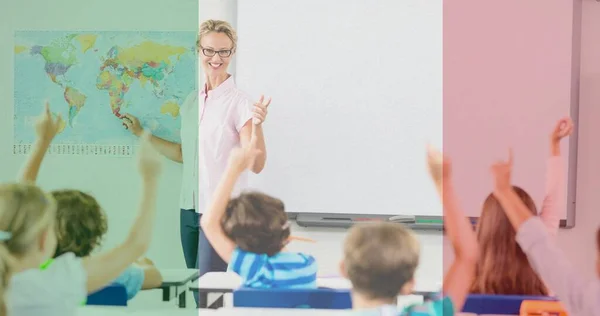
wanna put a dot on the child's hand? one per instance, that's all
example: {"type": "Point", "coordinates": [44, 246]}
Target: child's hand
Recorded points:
{"type": "Point", "coordinates": [243, 158]}
{"type": "Point", "coordinates": [564, 128]}
{"type": "Point", "coordinates": [439, 166]}
{"type": "Point", "coordinates": [149, 161]}
{"type": "Point", "coordinates": [501, 171]}
{"type": "Point", "coordinates": [46, 126]}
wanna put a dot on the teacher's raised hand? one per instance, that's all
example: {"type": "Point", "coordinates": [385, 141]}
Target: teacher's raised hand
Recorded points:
{"type": "Point", "coordinates": [259, 113]}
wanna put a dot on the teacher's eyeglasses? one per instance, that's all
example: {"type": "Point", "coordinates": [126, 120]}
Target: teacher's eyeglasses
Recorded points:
{"type": "Point", "coordinates": [211, 52]}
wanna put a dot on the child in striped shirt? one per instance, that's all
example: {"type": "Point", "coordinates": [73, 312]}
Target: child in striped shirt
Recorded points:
{"type": "Point", "coordinates": [250, 233]}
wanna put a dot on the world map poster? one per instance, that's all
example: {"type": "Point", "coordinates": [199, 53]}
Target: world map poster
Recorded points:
{"type": "Point", "coordinates": [93, 78]}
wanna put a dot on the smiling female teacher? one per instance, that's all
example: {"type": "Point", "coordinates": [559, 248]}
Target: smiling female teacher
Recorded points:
{"type": "Point", "coordinates": [227, 119]}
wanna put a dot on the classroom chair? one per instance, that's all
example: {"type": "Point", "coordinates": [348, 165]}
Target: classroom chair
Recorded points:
{"type": "Point", "coordinates": [321, 298]}
{"type": "Point", "coordinates": [112, 295]}
{"type": "Point", "coordinates": [529, 308]}
{"type": "Point", "coordinates": [499, 304]}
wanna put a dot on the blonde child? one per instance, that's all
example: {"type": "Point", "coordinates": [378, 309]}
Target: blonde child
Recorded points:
{"type": "Point", "coordinates": [27, 239]}
{"type": "Point", "coordinates": [503, 268]}
{"type": "Point", "coordinates": [380, 259]}
{"type": "Point", "coordinates": [580, 295]}
{"type": "Point", "coordinates": [251, 231]}
{"type": "Point", "coordinates": [81, 223]}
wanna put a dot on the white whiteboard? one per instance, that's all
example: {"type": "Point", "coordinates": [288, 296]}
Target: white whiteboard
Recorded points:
{"type": "Point", "coordinates": [357, 94]}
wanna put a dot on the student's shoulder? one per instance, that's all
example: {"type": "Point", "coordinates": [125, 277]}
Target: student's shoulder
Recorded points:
{"type": "Point", "coordinates": [434, 306]}
{"type": "Point", "coordinates": [132, 279]}
{"type": "Point", "coordinates": [67, 263]}
{"type": "Point", "coordinates": [288, 257]}
{"type": "Point", "coordinates": [298, 257]}
{"type": "Point", "coordinates": [64, 277]}
{"type": "Point", "coordinates": [131, 272]}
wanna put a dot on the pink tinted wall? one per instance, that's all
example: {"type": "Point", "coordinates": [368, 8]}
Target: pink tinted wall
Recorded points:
{"type": "Point", "coordinates": [507, 78]}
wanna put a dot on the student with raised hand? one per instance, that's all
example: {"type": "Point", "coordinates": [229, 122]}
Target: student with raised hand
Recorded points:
{"type": "Point", "coordinates": [81, 224]}
{"type": "Point", "coordinates": [580, 295]}
{"type": "Point", "coordinates": [502, 267]}
{"type": "Point", "coordinates": [27, 239]}
{"type": "Point", "coordinates": [250, 233]}
{"type": "Point", "coordinates": [380, 259]}
{"type": "Point", "coordinates": [80, 221]}
{"type": "Point", "coordinates": [459, 277]}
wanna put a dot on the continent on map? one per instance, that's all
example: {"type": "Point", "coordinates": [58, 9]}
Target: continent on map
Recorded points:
{"type": "Point", "coordinates": [86, 41]}
{"type": "Point", "coordinates": [117, 84]}
{"type": "Point", "coordinates": [59, 56]}
{"type": "Point", "coordinates": [76, 100]}
{"type": "Point", "coordinates": [147, 62]}
{"type": "Point", "coordinates": [170, 107]}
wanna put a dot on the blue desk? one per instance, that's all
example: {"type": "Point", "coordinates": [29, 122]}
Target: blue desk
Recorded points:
{"type": "Point", "coordinates": [498, 304]}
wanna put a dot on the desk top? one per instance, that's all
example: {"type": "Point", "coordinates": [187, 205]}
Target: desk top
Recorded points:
{"type": "Point", "coordinates": [226, 282]}
{"type": "Point", "coordinates": [178, 277]}
{"type": "Point", "coordinates": [223, 282]}
{"type": "Point", "coordinates": [124, 311]}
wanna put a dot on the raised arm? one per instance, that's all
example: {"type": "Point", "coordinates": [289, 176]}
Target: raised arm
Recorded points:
{"type": "Point", "coordinates": [459, 278]}
{"type": "Point", "coordinates": [166, 148]}
{"type": "Point", "coordinates": [252, 133]}
{"type": "Point", "coordinates": [542, 252]}
{"type": "Point", "coordinates": [104, 268]}
{"type": "Point", "coordinates": [554, 199]}
{"type": "Point", "coordinates": [46, 128]}
{"type": "Point", "coordinates": [239, 160]}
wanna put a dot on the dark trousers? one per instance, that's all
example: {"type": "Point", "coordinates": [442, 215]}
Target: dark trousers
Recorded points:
{"type": "Point", "coordinates": [198, 252]}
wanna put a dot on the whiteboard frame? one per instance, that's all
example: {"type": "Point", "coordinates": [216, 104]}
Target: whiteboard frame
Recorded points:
{"type": "Point", "coordinates": [574, 140]}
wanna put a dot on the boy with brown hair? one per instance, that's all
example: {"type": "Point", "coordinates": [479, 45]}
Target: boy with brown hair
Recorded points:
{"type": "Point", "coordinates": [80, 228]}
{"type": "Point", "coordinates": [380, 259]}
{"type": "Point", "coordinates": [250, 233]}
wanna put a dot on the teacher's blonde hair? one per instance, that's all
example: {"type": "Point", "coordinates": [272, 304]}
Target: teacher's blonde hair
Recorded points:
{"type": "Point", "coordinates": [218, 26]}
